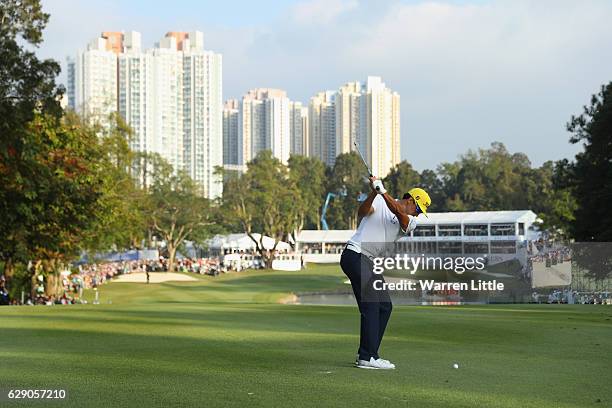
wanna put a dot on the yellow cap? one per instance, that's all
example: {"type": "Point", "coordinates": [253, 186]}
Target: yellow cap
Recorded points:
{"type": "Point", "coordinates": [421, 198]}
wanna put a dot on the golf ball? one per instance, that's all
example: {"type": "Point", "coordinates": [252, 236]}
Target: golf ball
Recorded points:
{"type": "Point", "coordinates": [455, 365]}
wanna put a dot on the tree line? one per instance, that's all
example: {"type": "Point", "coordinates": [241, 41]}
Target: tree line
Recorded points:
{"type": "Point", "coordinates": [277, 200]}
{"type": "Point", "coordinates": [569, 197]}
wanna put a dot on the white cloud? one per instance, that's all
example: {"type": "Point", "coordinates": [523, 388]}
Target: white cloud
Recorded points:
{"type": "Point", "coordinates": [470, 74]}
{"type": "Point", "coordinates": [321, 11]}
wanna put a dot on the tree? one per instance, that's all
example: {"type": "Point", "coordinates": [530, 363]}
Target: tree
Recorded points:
{"type": "Point", "coordinates": [263, 200]}
{"type": "Point", "coordinates": [60, 188]}
{"type": "Point", "coordinates": [404, 177]}
{"type": "Point", "coordinates": [592, 170]}
{"type": "Point", "coordinates": [494, 179]}
{"type": "Point", "coordinates": [120, 223]}
{"type": "Point", "coordinates": [348, 175]}
{"type": "Point", "coordinates": [552, 199]}
{"type": "Point", "coordinates": [591, 174]}
{"type": "Point", "coordinates": [308, 174]}
{"type": "Point", "coordinates": [489, 179]}
{"type": "Point", "coordinates": [401, 179]}
{"type": "Point", "coordinates": [177, 211]}
{"type": "Point", "coordinates": [27, 88]}
{"type": "Point", "coordinates": [448, 173]}
{"type": "Point", "coordinates": [27, 84]}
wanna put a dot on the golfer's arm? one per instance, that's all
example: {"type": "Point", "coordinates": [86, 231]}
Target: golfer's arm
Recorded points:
{"type": "Point", "coordinates": [366, 207]}
{"type": "Point", "coordinates": [403, 219]}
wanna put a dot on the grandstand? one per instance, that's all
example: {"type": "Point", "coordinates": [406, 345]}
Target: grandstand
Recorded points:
{"type": "Point", "coordinates": [502, 235]}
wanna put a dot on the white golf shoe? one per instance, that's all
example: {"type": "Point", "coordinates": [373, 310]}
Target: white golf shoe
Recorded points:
{"type": "Point", "coordinates": [376, 364]}
{"type": "Point", "coordinates": [386, 361]}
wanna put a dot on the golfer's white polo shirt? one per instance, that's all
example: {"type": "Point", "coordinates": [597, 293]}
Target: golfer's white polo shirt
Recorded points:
{"type": "Point", "coordinates": [381, 226]}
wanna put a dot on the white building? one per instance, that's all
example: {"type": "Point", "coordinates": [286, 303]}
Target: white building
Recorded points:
{"type": "Point", "coordinates": [368, 113]}
{"type": "Point", "coordinates": [251, 128]}
{"type": "Point", "coordinates": [265, 124]}
{"type": "Point", "coordinates": [231, 133]}
{"type": "Point", "coordinates": [322, 127]}
{"type": "Point", "coordinates": [350, 117]}
{"type": "Point", "coordinates": [170, 95]}
{"type": "Point", "coordinates": [382, 137]}
{"type": "Point", "coordinates": [278, 132]}
{"type": "Point", "coordinates": [202, 116]}
{"type": "Point", "coordinates": [92, 80]}
{"type": "Point", "coordinates": [166, 101]}
{"type": "Point", "coordinates": [135, 76]}
{"type": "Point", "coordinates": [322, 246]}
{"type": "Point", "coordinates": [71, 82]}
{"type": "Point", "coordinates": [493, 232]}
{"type": "Point", "coordinates": [501, 235]}
{"type": "Point", "coordinates": [298, 123]}
{"type": "Point", "coordinates": [237, 243]}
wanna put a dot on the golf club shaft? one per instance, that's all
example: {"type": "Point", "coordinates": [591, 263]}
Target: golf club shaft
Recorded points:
{"type": "Point", "coordinates": [364, 161]}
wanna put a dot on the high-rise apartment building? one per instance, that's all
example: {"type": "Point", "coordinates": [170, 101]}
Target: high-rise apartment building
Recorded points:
{"type": "Point", "coordinates": [382, 126]}
{"type": "Point", "coordinates": [298, 124]}
{"type": "Point", "coordinates": [350, 115]}
{"type": "Point", "coordinates": [134, 73]}
{"type": "Point", "coordinates": [170, 95]}
{"type": "Point", "coordinates": [92, 79]}
{"type": "Point", "coordinates": [264, 116]}
{"type": "Point", "coordinates": [231, 132]}
{"type": "Point", "coordinates": [305, 131]}
{"type": "Point", "coordinates": [202, 114]}
{"type": "Point", "coordinates": [322, 127]}
{"type": "Point", "coordinates": [367, 113]}
{"type": "Point", "coordinates": [278, 133]}
{"type": "Point", "coordinates": [71, 82]}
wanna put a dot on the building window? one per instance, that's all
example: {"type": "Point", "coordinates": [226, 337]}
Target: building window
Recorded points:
{"type": "Point", "coordinates": [476, 230]}
{"type": "Point", "coordinates": [476, 248]}
{"type": "Point", "coordinates": [521, 228]}
{"type": "Point", "coordinates": [425, 231]}
{"type": "Point", "coordinates": [503, 247]}
{"type": "Point", "coordinates": [453, 230]}
{"type": "Point", "coordinates": [503, 229]}
{"type": "Point", "coordinates": [449, 247]}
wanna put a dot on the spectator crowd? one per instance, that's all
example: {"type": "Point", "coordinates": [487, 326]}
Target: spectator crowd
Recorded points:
{"type": "Point", "coordinates": [568, 296]}
{"type": "Point", "coordinates": [90, 276]}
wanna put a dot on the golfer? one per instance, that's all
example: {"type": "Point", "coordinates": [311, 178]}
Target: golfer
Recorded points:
{"type": "Point", "coordinates": [383, 220]}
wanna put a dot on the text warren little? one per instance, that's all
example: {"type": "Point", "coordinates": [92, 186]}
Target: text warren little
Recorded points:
{"type": "Point", "coordinates": [429, 284]}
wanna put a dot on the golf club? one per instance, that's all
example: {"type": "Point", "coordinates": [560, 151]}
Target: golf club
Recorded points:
{"type": "Point", "coordinates": [364, 161]}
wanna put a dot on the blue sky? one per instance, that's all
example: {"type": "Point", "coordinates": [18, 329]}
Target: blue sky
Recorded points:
{"type": "Point", "coordinates": [468, 72]}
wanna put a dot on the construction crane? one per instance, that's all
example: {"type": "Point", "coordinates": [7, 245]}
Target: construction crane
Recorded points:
{"type": "Point", "coordinates": [330, 195]}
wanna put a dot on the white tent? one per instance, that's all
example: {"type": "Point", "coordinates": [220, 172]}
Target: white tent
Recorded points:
{"type": "Point", "coordinates": [326, 236]}
{"type": "Point", "coordinates": [242, 242]}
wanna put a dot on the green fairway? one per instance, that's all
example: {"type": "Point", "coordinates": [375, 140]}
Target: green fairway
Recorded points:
{"type": "Point", "coordinates": [226, 341]}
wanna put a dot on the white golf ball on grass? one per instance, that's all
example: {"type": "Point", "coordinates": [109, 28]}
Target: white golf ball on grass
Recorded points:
{"type": "Point", "coordinates": [455, 365]}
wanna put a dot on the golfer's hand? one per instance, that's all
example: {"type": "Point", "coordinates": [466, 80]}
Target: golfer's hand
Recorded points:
{"type": "Point", "coordinates": [372, 180]}
{"type": "Point", "coordinates": [377, 185]}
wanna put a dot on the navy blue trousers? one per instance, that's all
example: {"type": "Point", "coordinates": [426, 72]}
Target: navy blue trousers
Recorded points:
{"type": "Point", "coordinates": [374, 305]}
